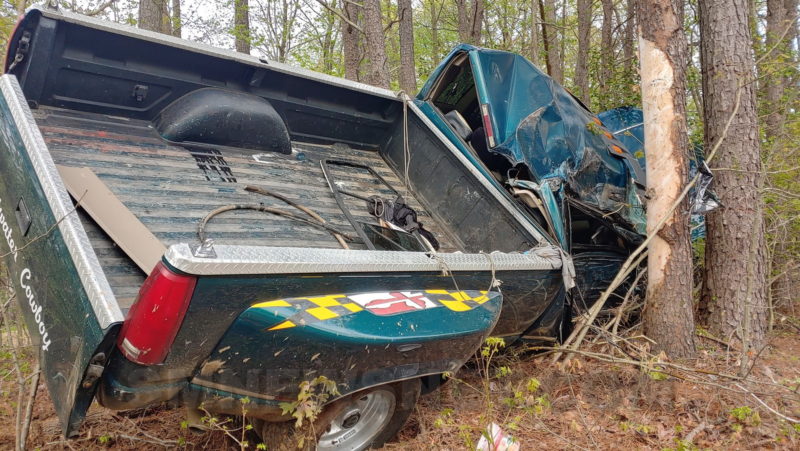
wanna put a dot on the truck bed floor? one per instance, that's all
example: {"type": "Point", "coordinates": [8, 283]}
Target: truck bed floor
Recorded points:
{"type": "Point", "coordinates": [170, 188]}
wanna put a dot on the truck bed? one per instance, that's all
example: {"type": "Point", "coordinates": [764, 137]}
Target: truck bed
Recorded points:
{"type": "Point", "coordinates": [170, 188]}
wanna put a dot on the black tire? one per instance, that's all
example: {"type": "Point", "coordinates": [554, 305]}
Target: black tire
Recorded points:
{"type": "Point", "coordinates": [405, 395]}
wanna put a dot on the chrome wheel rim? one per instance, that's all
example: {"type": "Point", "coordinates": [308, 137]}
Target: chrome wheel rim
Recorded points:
{"type": "Point", "coordinates": [359, 422]}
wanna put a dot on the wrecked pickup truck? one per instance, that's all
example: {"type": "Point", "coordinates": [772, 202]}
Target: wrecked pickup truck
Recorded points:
{"type": "Point", "coordinates": [198, 226]}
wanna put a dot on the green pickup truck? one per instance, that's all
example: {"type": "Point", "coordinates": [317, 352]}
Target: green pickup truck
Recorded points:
{"type": "Point", "coordinates": [188, 224]}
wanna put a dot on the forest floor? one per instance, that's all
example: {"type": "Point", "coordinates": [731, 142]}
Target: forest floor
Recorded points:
{"type": "Point", "coordinates": [585, 404]}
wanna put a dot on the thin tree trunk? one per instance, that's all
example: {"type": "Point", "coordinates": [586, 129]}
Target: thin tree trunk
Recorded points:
{"type": "Point", "coordinates": [378, 73]}
{"type": "Point", "coordinates": [535, 23]}
{"type": "Point", "coordinates": [547, 9]}
{"type": "Point", "coordinates": [584, 40]}
{"type": "Point", "coordinates": [241, 25]}
{"type": "Point", "coordinates": [476, 21]}
{"type": "Point", "coordinates": [629, 44]}
{"type": "Point", "coordinates": [778, 21]}
{"type": "Point", "coordinates": [780, 27]}
{"type": "Point", "coordinates": [735, 266]}
{"type": "Point", "coordinates": [668, 316]}
{"type": "Point", "coordinates": [563, 49]}
{"type": "Point", "coordinates": [607, 54]}
{"type": "Point", "coordinates": [408, 73]}
{"type": "Point", "coordinates": [350, 42]}
{"type": "Point", "coordinates": [328, 42]}
{"type": "Point", "coordinates": [435, 41]}
{"type": "Point", "coordinates": [470, 20]}
{"type": "Point", "coordinates": [176, 18]}
{"type": "Point", "coordinates": [463, 23]}
{"type": "Point", "coordinates": [153, 15]}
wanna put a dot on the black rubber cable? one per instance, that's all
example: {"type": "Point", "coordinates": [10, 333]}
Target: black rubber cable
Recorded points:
{"type": "Point", "coordinates": [201, 233]}
{"type": "Point", "coordinates": [306, 210]}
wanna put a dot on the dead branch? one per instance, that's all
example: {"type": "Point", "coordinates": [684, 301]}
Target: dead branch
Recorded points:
{"type": "Point", "coordinates": [710, 337]}
{"type": "Point", "coordinates": [340, 15]}
{"type": "Point", "coordinates": [26, 422]}
{"type": "Point", "coordinates": [690, 436]}
{"type": "Point", "coordinates": [766, 406]}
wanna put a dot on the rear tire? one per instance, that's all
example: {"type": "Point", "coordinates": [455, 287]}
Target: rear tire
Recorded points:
{"type": "Point", "coordinates": [368, 418]}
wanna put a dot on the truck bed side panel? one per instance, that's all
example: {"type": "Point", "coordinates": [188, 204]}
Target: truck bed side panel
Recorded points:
{"type": "Point", "coordinates": [67, 304]}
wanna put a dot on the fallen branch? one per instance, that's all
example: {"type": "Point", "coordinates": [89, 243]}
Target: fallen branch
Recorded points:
{"type": "Point", "coordinates": [710, 337]}
{"type": "Point", "coordinates": [766, 406]}
{"type": "Point", "coordinates": [26, 422]}
{"type": "Point", "coordinates": [690, 436]}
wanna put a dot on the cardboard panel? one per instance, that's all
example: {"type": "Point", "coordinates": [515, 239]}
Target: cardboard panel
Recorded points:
{"type": "Point", "coordinates": [113, 217]}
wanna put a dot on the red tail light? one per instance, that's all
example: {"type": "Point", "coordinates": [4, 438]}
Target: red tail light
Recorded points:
{"type": "Point", "coordinates": [155, 317]}
{"type": "Point", "coordinates": [487, 124]}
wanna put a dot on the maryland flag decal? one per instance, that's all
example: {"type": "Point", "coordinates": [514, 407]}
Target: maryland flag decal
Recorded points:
{"type": "Point", "coordinates": [381, 303]}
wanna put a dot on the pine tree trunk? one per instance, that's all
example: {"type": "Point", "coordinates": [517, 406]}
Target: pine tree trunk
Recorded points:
{"type": "Point", "coordinates": [470, 21]}
{"type": "Point", "coordinates": [476, 21]}
{"type": "Point", "coordinates": [434, 23]}
{"type": "Point", "coordinates": [584, 41]}
{"type": "Point", "coordinates": [153, 15]}
{"type": "Point", "coordinates": [780, 27]}
{"type": "Point", "coordinates": [535, 19]}
{"type": "Point", "coordinates": [629, 37]}
{"type": "Point", "coordinates": [463, 23]}
{"type": "Point", "coordinates": [607, 54]}
{"type": "Point", "coordinates": [241, 25]}
{"type": "Point", "coordinates": [378, 73]}
{"type": "Point", "coordinates": [550, 37]}
{"type": "Point", "coordinates": [329, 42]}
{"type": "Point", "coordinates": [176, 18]}
{"type": "Point", "coordinates": [350, 42]}
{"type": "Point", "coordinates": [408, 73]}
{"type": "Point", "coordinates": [778, 21]}
{"type": "Point", "coordinates": [668, 317]}
{"type": "Point", "coordinates": [735, 266]}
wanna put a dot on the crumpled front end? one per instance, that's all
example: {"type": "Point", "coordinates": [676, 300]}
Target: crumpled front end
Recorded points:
{"type": "Point", "coordinates": [540, 125]}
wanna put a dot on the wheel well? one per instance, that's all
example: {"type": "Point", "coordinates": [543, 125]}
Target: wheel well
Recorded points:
{"type": "Point", "coordinates": [431, 382]}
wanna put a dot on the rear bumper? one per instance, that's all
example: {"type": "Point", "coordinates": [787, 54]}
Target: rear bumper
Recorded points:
{"type": "Point", "coordinates": [127, 385]}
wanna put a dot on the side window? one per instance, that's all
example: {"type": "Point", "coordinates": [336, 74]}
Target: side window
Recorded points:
{"type": "Point", "coordinates": [454, 91]}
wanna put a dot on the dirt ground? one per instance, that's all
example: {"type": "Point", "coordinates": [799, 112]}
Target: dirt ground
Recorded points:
{"type": "Point", "coordinates": [585, 404]}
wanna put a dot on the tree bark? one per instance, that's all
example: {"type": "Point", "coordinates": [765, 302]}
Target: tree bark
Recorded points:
{"type": "Point", "coordinates": [377, 73]}
{"type": "Point", "coordinates": [328, 42]}
{"type": "Point", "coordinates": [463, 24]}
{"type": "Point", "coordinates": [154, 16]}
{"type": "Point", "coordinates": [535, 23]}
{"type": "Point", "coordinates": [177, 25]}
{"type": "Point", "coordinates": [434, 17]}
{"type": "Point", "coordinates": [735, 266]}
{"type": "Point", "coordinates": [241, 25]}
{"type": "Point", "coordinates": [584, 41]}
{"type": "Point", "coordinates": [408, 73]}
{"type": "Point", "coordinates": [668, 316]}
{"type": "Point", "coordinates": [778, 21]}
{"type": "Point", "coordinates": [780, 32]}
{"type": "Point", "coordinates": [350, 41]}
{"type": "Point", "coordinates": [470, 20]}
{"type": "Point", "coordinates": [552, 51]}
{"type": "Point", "coordinates": [629, 38]}
{"type": "Point", "coordinates": [606, 54]}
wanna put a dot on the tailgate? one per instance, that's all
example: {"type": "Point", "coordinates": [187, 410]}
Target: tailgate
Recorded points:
{"type": "Point", "coordinates": [68, 306]}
